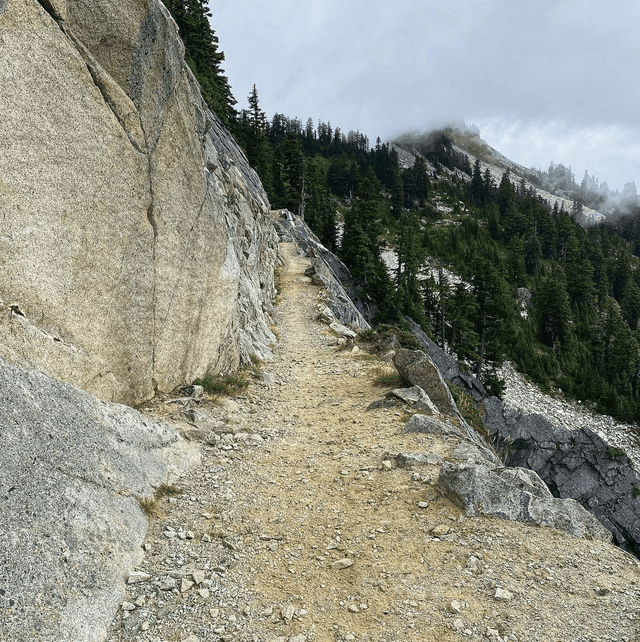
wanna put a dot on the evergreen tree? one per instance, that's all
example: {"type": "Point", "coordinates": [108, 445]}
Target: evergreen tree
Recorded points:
{"type": "Point", "coordinates": [552, 309]}
{"type": "Point", "coordinates": [202, 55]}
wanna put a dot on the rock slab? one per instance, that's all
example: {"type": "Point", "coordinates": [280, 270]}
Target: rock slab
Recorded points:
{"type": "Point", "coordinates": [515, 494]}
{"type": "Point", "coordinates": [71, 471]}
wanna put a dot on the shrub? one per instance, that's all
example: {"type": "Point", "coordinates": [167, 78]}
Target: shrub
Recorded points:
{"type": "Point", "coordinates": [382, 333]}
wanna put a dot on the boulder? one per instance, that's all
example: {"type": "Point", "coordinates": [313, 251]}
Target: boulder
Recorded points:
{"type": "Point", "coordinates": [417, 369]}
{"type": "Point", "coordinates": [515, 494]}
{"type": "Point", "coordinates": [72, 470]}
{"type": "Point", "coordinates": [136, 241]}
{"type": "Point", "coordinates": [431, 426]}
{"type": "Point", "coordinates": [416, 398]}
{"type": "Point", "coordinates": [575, 464]}
{"type": "Point", "coordinates": [448, 365]}
{"type": "Point", "coordinates": [409, 460]}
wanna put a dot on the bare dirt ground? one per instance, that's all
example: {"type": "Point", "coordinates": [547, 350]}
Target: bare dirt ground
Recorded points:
{"type": "Point", "coordinates": [293, 529]}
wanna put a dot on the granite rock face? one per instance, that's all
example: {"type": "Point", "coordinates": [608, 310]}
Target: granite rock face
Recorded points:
{"type": "Point", "coordinates": [136, 249]}
{"type": "Point", "coordinates": [576, 464]}
{"type": "Point", "coordinates": [418, 369]}
{"type": "Point", "coordinates": [71, 529]}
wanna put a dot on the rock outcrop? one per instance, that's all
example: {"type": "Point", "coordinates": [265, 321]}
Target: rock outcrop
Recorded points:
{"type": "Point", "coordinates": [136, 248]}
{"type": "Point", "coordinates": [574, 464]}
{"type": "Point", "coordinates": [518, 495]}
{"type": "Point", "coordinates": [71, 471]}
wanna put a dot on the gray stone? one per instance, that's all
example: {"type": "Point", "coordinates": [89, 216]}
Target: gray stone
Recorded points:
{"type": "Point", "coordinates": [417, 398]}
{"type": "Point", "coordinates": [338, 565]}
{"type": "Point", "coordinates": [186, 585]}
{"type": "Point", "coordinates": [198, 577]}
{"type": "Point", "coordinates": [138, 576]}
{"type": "Point", "coordinates": [408, 460]}
{"type": "Point", "coordinates": [448, 364]}
{"type": "Point", "coordinates": [287, 613]}
{"type": "Point", "coordinates": [417, 368]}
{"type": "Point", "coordinates": [431, 425]}
{"type": "Point", "coordinates": [467, 451]}
{"type": "Point", "coordinates": [503, 594]}
{"type": "Point", "coordinates": [342, 330]}
{"type": "Point", "coordinates": [72, 469]}
{"type": "Point", "coordinates": [575, 464]}
{"type": "Point", "coordinates": [515, 494]}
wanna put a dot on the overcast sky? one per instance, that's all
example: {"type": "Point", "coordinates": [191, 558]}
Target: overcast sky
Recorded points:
{"type": "Point", "coordinates": [544, 80]}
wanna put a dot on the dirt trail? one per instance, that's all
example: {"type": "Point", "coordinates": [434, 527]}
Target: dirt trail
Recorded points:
{"type": "Point", "coordinates": [280, 513]}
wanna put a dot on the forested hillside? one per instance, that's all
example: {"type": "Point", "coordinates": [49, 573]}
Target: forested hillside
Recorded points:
{"type": "Point", "coordinates": [489, 270]}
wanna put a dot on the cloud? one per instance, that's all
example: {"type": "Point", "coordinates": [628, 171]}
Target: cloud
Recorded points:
{"type": "Point", "coordinates": [610, 152]}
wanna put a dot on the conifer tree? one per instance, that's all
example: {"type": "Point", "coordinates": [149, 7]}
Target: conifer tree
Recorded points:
{"type": "Point", "coordinates": [202, 55]}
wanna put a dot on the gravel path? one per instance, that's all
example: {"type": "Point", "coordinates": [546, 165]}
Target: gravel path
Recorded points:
{"type": "Point", "coordinates": [297, 529]}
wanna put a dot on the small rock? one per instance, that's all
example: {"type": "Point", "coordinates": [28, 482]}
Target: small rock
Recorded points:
{"type": "Point", "coordinates": [128, 606]}
{"type": "Point", "coordinates": [440, 530]}
{"type": "Point", "coordinates": [192, 638]}
{"type": "Point", "coordinates": [138, 576]}
{"type": "Point", "coordinates": [386, 464]}
{"type": "Point", "coordinates": [287, 613]}
{"type": "Point", "coordinates": [423, 505]}
{"type": "Point", "coordinates": [144, 626]}
{"type": "Point", "coordinates": [206, 538]}
{"type": "Point", "coordinates": [353, 608]}
{"type": "Point", "coordinates": [340, 564]}
{"type": "Point", "coordinates": [169, 584]}
{"type": "Point", "coordinates": [455, 607]}
{"type": "Point", "coordinates": [141, 600]}
{"type": "Point", "coordinates": [299, 638]}
{"type": "Point", "coordinates": [203, 593]}
{"type": "Point", "coordinates": [185, 585]}
{"type": "Point", "coordinates": [197, 391]}
{"type": "Point", "coordinates": [198, 577]}
{"type": "Point", "coordinates": [503, 594]}
{"type": "Point", "coordinates": [195, 416]}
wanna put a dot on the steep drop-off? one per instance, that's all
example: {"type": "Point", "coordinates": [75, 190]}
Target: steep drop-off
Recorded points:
{"type": "Point", "coordinates": [136, 248]}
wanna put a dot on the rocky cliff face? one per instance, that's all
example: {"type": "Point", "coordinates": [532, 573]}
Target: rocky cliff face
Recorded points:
{"type": "Point", "coordinates": [136, 248]}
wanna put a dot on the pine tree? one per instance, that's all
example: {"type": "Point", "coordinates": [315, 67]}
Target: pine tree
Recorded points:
{"type": "Point", "coordinates": [202, 55]}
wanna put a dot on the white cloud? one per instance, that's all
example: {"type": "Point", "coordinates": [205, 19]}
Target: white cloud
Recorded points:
{"type": "Point", "coordinates": [610, 152]}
